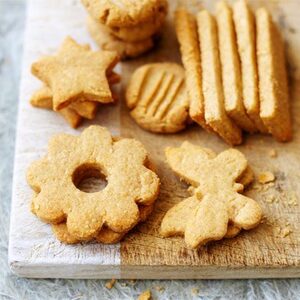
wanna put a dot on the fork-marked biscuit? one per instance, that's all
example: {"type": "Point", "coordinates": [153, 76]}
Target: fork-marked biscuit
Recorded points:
{"type": "Point", "coordinates": [157, 98]}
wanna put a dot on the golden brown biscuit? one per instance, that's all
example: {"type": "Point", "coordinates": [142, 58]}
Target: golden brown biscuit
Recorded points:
{"type": "Point", "coordinates": [141, 31]}
{"type": "Point", "coordinates": [186, 30]}
{"type": "Point", "coordinates": [69, 81]}
{"type": "Point", "coordinates": [122, 13]}
{"type": "Point", "coordinates": [157, 98]}
{"type": "Point", "coordinates": [231, 72]}
{"type": "Point", "coordinates": [42, 98]}
{"type": "Point", "coordinates": [215, 114]}
{"type": "Point", "coordinates": [216, 209]}
{"type": "Point", "coordinates": [232, 231]}
{"type": "Point", "coordinates": [273, 83]}
{"type": "Point", "coordinates": [105, 236]}
{"type": "Point", "coordinates": [70, 158]}
{"type": "Point", "coordinates": [107, 41]}
{"type": "Point", "coordinates": [245, 31]}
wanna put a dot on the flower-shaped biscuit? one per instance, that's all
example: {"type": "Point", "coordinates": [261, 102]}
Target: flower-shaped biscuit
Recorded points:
{"type": "Point", "coordinates": [72, 158]}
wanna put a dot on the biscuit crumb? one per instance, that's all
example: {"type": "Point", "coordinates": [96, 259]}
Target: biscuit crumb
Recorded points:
{"type": "Point", "coordinates": [195, 291]}
{"type": "Point", "coordinates": [283, 232]}
{"type": "Point", "coordinates": [292, 199]}
{"type": "Point", "coordinates": [110, 284]}
{"type": "Point", "coordinates": [159, 288]}
{"type": "Point", "coordinates": [270, 199]}
{"type": "Point", "coordinates": [266, 177]}
{"type": "Point", "coordinates": [146, 295]}
{"type": "Point", "coordinates": [123, 284]}
{"type": "Point", "coordinates": [132, 281]}
{"type": "Point", "coordinates": [273, 153]}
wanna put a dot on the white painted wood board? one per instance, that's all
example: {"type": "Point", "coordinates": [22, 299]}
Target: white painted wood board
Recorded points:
{"type": "Point", "coordinates": [33, 250]}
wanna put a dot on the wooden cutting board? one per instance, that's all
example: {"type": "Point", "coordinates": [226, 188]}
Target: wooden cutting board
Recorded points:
{"type": "Point", "coordinates": [262, 252]}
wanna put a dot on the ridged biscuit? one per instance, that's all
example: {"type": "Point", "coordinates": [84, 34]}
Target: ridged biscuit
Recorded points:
{"type": "Point", "coordinates": [273, 83]}
{"type": "Point", "coordinates": [231, 71]}
{"type": "Point", "coordinates": [215, 114]}
{"type": "Point", "coordinates": [107, 41]}
{"type": "Point", "coordinates": [186, 30]}
{"type": "Point", "coordinates": [122, 13]}
{"type": "Point", "coordinates": [245, 31]}
{"type": "Point", "coordinates": [157, 98]}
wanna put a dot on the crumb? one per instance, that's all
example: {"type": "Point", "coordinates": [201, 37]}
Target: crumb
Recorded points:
{"type": "Point", "coordinates": [270, 199]}
{"type": "Point", "coordinates": [146, 295]}
{"type": "Point", "coordinates": [264, 220]}
{"type": "Point", "coordinates": [159, 288]}
{"type": "Point", "coordinates": [285, 232]}
{"type": "Point", "coordinates": [110, 284]}
{"type": "Point", "coordinates": [273, 153]}
{"type": "Point", "coordinates": [195, 291]}
{"type": "Point", "coordinates": [266, 177]}
{"type": "Point", "coordinates": [132, 281]}
{"type": "Point", "coordinates": [292, 199]}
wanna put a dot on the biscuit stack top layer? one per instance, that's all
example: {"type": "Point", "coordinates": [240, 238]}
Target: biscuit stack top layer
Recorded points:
{"type": "Point", "coordinates": [66, 88]}
{"type": "Point", "coordinates": [128, 27]}
{"type": "Point", "coordinates": [235, 71]}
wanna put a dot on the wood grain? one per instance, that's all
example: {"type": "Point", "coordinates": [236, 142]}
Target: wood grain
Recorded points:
{"type": "Point", "coordinates": [34, 252]}
{"type": "Point", "coordinates": [257, 253]}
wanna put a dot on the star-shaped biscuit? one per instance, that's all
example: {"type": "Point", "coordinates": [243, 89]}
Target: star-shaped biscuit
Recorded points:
{"type": "Point", "coordinates": [76, 72]}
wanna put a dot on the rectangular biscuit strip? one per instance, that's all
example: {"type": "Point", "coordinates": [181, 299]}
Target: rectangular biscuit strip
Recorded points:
{"type": "Point", "coordinates": [245, 30]}
{"type": "Point", "coordinates": [273, 82]}
{"type": "Point", "coordinates": [186, 31]}
{"type": "Point", "coordinates": [215, 114]}
{"type": "Point", "coordinates": [231, 70]}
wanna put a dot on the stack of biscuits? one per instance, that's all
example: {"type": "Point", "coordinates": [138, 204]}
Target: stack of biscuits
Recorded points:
{"type": "Point", "coordinates": [235, 71]}
{"type": "Point", "coordinates": [128, 27]}
{"type": "Point", "coordinates": [66, 88]}
{"type": "Point", "coordinates": [93, 186]}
